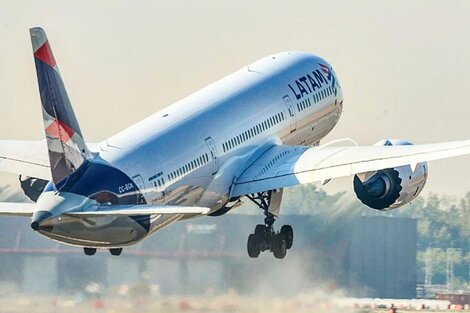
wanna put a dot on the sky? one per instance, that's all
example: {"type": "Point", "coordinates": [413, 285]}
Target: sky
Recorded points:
{"type": "Point", "coordinates": [404, 66]}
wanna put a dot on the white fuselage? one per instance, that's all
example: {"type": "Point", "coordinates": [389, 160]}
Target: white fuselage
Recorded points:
{"type": "Point", "coordinates": [192, 152]}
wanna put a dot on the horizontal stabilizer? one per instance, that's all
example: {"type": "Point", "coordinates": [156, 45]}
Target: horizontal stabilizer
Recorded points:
{"type": "Point", "coordinates": [17, 209]}
{"type": "Point", "coordinates": [134, 210]}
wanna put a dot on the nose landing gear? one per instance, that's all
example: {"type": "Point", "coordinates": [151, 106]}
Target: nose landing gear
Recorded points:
{"type": "Point", "coordinates": [115, 251]}
{"type": "Point", "coordinates": [265, 237]}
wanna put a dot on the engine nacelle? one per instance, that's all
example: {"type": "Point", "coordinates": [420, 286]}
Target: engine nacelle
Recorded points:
{"type": "Point", "coordinates": [391, 188]}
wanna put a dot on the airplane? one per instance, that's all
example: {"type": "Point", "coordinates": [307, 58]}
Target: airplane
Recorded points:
{"type": "Point", "coordinates": [246, 136]}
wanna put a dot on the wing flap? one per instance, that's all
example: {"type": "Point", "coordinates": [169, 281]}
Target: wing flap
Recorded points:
{"type": "Point", "coordinates": [284, 166]}
{"type": "Point", "coordinates": [17, 209]}
{"type": "Point", "coordinates": [134, 210]}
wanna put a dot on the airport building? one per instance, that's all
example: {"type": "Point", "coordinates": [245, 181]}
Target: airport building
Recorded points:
{"type": "Point", "coordinates": [365, 256]}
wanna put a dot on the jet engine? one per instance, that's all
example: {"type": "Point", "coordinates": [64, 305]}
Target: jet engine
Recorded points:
{"type": "Point", "coordinates": [391, 188]}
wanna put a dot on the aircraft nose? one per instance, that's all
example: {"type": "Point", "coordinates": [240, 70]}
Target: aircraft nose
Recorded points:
{"type": "Point", "coordinates": [39, 217]}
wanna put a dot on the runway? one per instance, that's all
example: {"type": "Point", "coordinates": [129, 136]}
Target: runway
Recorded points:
{"type": "Point", "coordinates": [124, 301]}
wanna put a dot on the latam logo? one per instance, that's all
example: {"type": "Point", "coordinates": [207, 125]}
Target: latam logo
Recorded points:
{"type": "Point", "coordinates": [309, 83]}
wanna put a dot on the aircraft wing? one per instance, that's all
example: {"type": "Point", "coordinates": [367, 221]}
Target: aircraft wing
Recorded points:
{"type": "Point", "coordinates": [27, 158]}
{"type": "Point", "coordinates": [17, 209]}
{"type": "Point", "coordinates": [284, 166]}
{"type": "Point", "coordinates": [134, 210]}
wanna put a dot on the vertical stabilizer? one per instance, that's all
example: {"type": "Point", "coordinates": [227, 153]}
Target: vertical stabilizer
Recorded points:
{"type": "Point", "coordinates": [67, 149]}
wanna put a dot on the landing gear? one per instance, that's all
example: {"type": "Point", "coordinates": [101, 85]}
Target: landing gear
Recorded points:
{"type": "Point", "coordinates": [89, 251]}
{"type": "Point", "coordinates": [279, 246]}
{"type": "Point", "coordinates": [253, 246]}
{"type": "Point", "coordinates": [115, 251]}
{"type": "Point", "coordinates": [288, 233]}
{"type": "Point", "coordinates": [265, 237]}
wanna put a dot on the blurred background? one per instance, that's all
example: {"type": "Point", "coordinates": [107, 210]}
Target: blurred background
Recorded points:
{"type": "Point", "coordinates": [404, 67]}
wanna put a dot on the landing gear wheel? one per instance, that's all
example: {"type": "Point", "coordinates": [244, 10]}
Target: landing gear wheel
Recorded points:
{"type": "Point", "coordinates": [288, 233]}
{"type": "Point", "coordinates": [115, 251]}
{"type": "Point", "coordinates": [252, 246]}
{"type": "Point", "coordinates": [261, 232]}
{"type": "Point", "coordinates": [265, 237]}
{"type": "Point", "coordinates": [89, 251]}
{"type": "Point", "coordinates": [279, 246]}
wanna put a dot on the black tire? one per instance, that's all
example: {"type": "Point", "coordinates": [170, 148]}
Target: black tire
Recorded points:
{"type": "Point", "coordinates": [288, 233]}
{"type": "Point", "coordinates": [115, 251]}
{"type": "Point", "coordinates": [89, 251]}
{"type": "Point", "coordinates": [279, 246]}
{"type": "Point", "coordinates": [260, 232]}
{"type": "Point", "coordinates": [253, 246]}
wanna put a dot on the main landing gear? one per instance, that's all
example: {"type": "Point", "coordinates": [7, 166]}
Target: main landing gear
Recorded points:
{"type": "Point", "coordinates": [92, 251]}
{"type": "Point", "coordinates": [89, 251]}
{"type": "Point", "coordinates": [265, 237]}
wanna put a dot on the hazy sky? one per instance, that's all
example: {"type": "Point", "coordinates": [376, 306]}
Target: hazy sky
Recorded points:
{"type": "Point", "coordinates": [404, 65]}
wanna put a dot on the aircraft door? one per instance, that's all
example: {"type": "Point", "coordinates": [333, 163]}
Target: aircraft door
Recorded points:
{"type": "Point", "coordinates": [291, 110]}
{"type": "Point", "coordinates": [213, 154]}
{"type": "Point", "coordinates": [140, 184]}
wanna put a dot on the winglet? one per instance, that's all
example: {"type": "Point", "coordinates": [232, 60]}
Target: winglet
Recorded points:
{"type": "Point", "coordinates": [67, 149]}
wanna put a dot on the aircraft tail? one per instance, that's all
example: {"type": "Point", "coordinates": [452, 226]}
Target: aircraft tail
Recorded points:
{"type": "Point", "coordinates": [67, 149]}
